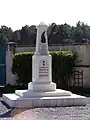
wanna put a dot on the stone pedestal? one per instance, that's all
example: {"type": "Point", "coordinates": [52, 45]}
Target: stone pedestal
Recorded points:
{"type": "Point", "coordinates": [41, 69]}
{"type": "Point", "coordinates": [41, 74]}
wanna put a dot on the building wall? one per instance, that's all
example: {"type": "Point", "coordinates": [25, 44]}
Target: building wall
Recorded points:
{"type": "Point", "coordinates": [83, 52]}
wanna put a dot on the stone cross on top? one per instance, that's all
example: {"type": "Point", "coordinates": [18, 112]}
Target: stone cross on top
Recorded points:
{"type": "Point", "coordinates": [41, 41]}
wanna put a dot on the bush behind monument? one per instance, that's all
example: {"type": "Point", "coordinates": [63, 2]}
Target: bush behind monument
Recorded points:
{"type": "Point", "coordinates": [63, 63]}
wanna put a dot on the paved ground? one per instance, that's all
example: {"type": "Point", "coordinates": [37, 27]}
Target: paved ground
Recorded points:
{"type": "Point", "coordinates": [58, 113]}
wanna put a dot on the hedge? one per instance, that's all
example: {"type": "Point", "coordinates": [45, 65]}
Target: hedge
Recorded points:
{"type": "Point", "coordinates": [63, 63]}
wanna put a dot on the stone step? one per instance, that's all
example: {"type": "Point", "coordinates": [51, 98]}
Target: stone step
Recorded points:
{"type": "Point", "coordinates": [14, 100]}
{"type": "Point", "coordinates": [55, 93]}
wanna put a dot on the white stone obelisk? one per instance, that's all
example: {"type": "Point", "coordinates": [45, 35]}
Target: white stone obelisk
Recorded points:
{"type": "Point", "coordinates": [42, 63]}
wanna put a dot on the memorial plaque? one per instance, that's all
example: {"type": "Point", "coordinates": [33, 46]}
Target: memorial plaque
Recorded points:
{"type": "Point", "coordinates": [43, 68]}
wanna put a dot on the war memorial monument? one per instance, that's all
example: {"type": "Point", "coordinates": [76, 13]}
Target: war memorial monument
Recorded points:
{"type": "Point", "coordinates": [42, 91]}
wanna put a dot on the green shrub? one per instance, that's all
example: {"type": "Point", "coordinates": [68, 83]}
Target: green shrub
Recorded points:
{"type": "Point", "coordinates": [63, 63]}
{"type": "Point", "coordinates": [22, 67]}
{"type": "Point", "coordinates": [62, 67]}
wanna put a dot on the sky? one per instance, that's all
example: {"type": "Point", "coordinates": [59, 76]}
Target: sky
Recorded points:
{"type": "Point", "coordinates": [18, 13]}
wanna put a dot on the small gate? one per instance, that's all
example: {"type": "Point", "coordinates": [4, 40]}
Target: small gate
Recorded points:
{"type": "Point", "coordinates": [2, 64]}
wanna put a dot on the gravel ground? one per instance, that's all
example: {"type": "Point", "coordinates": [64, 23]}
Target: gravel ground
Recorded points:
{"type": "Point", "coordinates": [58, 113]}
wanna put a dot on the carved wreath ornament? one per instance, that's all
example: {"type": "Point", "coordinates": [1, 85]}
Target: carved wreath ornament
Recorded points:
{"type": "Point", "coordinates": [43, 39]}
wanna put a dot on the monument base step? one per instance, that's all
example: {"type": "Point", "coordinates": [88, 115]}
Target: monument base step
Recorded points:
{"type": "Point", "coordinates": [16, 101]}
{"type": "Point", "coordinates": [55, 93]}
